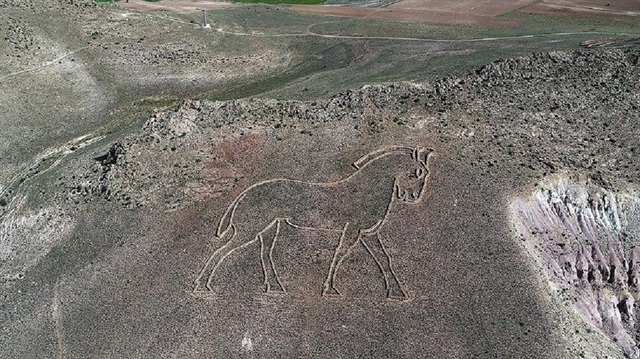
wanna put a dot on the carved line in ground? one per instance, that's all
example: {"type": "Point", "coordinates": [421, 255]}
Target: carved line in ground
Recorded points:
{"type": "Point", "coordinates": [387, 284]}
{"type": "Point", "coordinates": [334, 264]}
{"type": "Point", "coordinates": [359, 164]}
{"type": "Point", "coordinates": [288, 221]}
{"type": "Point", "coordinates": [375, 231]}
{"type": "Point", "coordinates": [340, 252]}
{"type": "Point", "coordinates": [273, 267]}
{"type": "Point", "coordinates": [482, 39]}
{"type": "Point", "coordinates": [58, 331]}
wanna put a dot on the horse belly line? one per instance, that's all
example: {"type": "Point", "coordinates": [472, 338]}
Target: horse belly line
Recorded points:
{"type": "Point", "coordinates": [373, 229]}
{"type": "Point", "coordinates": [288, 221]}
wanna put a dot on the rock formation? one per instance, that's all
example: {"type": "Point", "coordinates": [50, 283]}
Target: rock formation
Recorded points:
{"type": "Point", "coordinates": [587, 238]}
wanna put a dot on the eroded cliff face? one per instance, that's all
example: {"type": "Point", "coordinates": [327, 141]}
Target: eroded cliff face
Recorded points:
{"type": "Point", "coordinates": [587, 238]}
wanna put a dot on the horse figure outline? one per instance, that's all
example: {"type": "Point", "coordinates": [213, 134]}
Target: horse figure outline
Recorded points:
{"type": "Point", "coordinates": [382, 177]}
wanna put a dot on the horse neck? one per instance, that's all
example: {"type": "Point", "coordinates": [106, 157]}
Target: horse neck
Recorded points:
{"type": "Point", "coordinates": [380, 172]}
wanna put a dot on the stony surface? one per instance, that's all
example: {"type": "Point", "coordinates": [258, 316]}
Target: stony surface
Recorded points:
{"type": "Point", "coordinates": [24, 239]}
{"type": "Point", "coordinates": [512, 128]}
{"type": "Point", "coordinates": [544, 125]}
{"type": "Point", "coordinates": [588, 239]}
{"type": "Point", "coordinates": [117, 233]}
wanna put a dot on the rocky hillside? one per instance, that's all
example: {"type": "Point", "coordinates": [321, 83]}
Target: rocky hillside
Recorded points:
{"type": "Point", "coordinates": [553, 112]}
{"type": "Point", "coordinates": [39, 5]}
{"type": "Point", "coordinates": [115, 234]}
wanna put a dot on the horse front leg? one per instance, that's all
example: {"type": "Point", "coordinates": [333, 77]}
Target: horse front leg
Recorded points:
{"type": "Point", "coordinates": [201, 284]}
{"type": "Point", "coordinates": [240, 239]}
{"type": "Point", "coordinates": [374, 246]}
{"type": "Point", "coordinates": [267, 241]}
{"type": "Point", "coordinates": [348, 239]}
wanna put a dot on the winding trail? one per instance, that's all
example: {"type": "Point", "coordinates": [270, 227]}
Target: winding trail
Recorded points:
{"type": "Point", "coordinates": [46, 64]}
{"type": "Point", "coordinates": [310, 32]}
{"type": "Point", "coordinates": [58, 153]}
{"type": "Point", "coordinates": [42, 163]}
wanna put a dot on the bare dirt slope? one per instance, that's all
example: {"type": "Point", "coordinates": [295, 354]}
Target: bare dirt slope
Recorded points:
{"type": "Point", "coordinates": [480, 12]}
{"type": "Point", "coordinates": [121, 185]}
{"type": "Point", "coordinates": [406, 14]}
{"type": "Point", "coordinates": [179, 6]}
{"type": "Point", "coordinates": [142, 213]}
{"type": "Point", "coordinates": [601, 9]}
{"type": "Point", "coordinates": [63, 79]}
{"type": "Point", "coordinates": [474, 7]}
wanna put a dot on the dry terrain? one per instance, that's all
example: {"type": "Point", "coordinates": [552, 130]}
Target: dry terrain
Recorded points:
{"type": "Point", "coordinates": [405, 14]}
{"type": "Point", "coordinates": [179, 6]}
{"type": "Point", "coordinates": [474, 7]}
{"type": "Point", "coordinates": [480, 12]}
{"type": "Point", "coordinates": [628, 10]}
{"type": "Point", "coordinates": [459, 184]}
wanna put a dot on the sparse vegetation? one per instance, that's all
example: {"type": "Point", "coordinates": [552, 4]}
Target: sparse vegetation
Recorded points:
{"type": "Point", "coordinates": [126, 132]}
{"type": "Point", "coordinates": [125, 0]}
{"type": "Point", "coordinates": [273, 2]}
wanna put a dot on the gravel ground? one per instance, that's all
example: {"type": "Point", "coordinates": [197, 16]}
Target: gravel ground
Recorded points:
{"type": "Point", "coordinates": [104, 235]}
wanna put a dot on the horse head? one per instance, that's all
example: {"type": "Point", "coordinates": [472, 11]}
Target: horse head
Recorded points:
{"type": "Point", "coordinates": [412, 175]}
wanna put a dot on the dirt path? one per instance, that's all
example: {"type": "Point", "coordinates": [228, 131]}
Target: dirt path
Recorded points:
{"type": "Point", "coordinates": [468, 12]}
{"type": "Point", "coordinates": [46, 64]}
{"type": "Point", "coordinates": [310, 32]}
{"type": "Point", "coordinates": [481, 12]}
{"type": "Point", "coordinates": [40, 164]}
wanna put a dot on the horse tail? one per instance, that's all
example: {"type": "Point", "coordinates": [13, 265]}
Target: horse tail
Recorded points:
{"type": "Point", "coordinates": [226, 222]}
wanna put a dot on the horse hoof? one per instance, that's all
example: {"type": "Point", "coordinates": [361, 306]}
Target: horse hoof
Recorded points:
{"type": "Point", "coordinates": [331, 292]}
{"type": "Point", "coordinates": [204, 294]}
{"type": "Point", "coordinates": [201, 288]}
{"type": "Point", "coordinates": [276, 289]}
{"type": "Point", "coordinates": [397, 295]}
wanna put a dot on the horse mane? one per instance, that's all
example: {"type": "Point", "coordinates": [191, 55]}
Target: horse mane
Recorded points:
{"type": "Point", "coordinates": [364, 160]}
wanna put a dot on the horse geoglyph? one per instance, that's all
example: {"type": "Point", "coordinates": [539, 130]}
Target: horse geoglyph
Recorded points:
{"type": "Point", "coordinates": [355, 208]}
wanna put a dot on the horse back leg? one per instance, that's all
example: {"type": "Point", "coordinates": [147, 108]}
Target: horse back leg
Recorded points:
{"type": "Point", "coordinates": [268, 238]}
{"type": "Point", "coordinates": [374, 246]}
{"type": "Point", "coordinates": [348, 239]}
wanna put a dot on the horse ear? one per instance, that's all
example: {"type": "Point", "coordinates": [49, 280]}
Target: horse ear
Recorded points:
{"type": "Point", "coordinates": [425, 153]}
{"type": "Point", "coordinates": [415, 155]}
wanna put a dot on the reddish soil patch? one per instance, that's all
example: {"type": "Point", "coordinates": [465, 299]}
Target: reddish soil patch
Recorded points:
{"type": "Point", "coordinates": [232, 159]}
{"type": "Point", "coordinates": [234, 151]}
{"type": "Point", "coordinates": [472, 7]}
{"type": "Point", "coordinates": [179, 6]}
{"type": "Point", "coordinates": [406, 14]}
{"type": "Point", "coordinates": [482, 12]}
{"type": "Point", "coordinates": [470, 12]}
{"type": "Point", "coordinates": [604, 9]}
